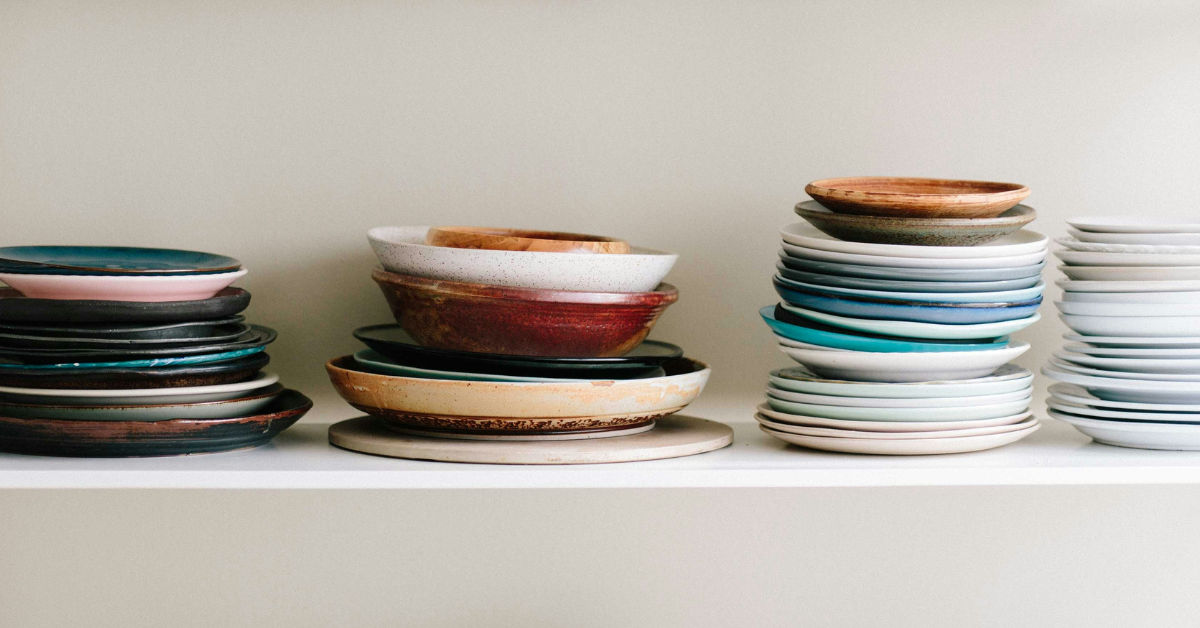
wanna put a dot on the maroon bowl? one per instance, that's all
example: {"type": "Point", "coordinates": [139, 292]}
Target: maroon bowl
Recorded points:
{"type": "Point", "coordinates": [522, 321]}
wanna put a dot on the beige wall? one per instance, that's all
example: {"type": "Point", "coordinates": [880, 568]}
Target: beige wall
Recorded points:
{"type": "Point", "coordinates": [279, 131]}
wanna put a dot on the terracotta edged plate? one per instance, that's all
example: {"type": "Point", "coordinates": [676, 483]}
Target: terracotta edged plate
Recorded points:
{"type": "Point", "coordinates": [916, 197]}
{"type": "Point", "coordinates": [17, 308]}
{"type": "Point", "coordinates": [497, 239]}
{"type": "Point", "coordinates": [916, 231]}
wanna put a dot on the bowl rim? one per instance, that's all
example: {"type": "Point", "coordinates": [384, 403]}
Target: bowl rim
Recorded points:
{"type": "Point", "coordinates": [665, 294]}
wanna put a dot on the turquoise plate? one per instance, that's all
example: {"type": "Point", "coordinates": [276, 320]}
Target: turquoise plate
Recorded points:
{"type": "Point", "coordinates": [111, 260]}
{"type": "Point", "coordinates": [132, 364]}
{"type": "Point", "coordinates": [818, 335]}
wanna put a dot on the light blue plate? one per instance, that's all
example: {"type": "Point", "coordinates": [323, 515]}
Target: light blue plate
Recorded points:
{"type": "Point", "coordinates": [900, 285]}
{"type": "Point", "coordinates": [907, 329]}
{"type": "Point", "coordinates": [1008, 378]}
{"type": "Point", "coordinates": [378, 363]}
{"type": "Point", "coordinates": [999, 296]}
{"type": "Point", "coordinates": [854, 342]}
{"type": "Point", "coordinates": [910, 274]}
{"type": "Point", "coordinates": [137, 364]}
{"type": "Point", "coordinates": [915, 311]}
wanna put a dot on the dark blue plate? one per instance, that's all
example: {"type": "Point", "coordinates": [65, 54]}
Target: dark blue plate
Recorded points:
{"type": "Point", "coordinates": [111, 260]}
{"type": "Point", "coordinates": [914, 311]}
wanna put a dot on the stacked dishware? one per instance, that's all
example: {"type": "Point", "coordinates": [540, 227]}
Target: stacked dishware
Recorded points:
{"type": "Point", "coordinates": [121, 351]}
{"type": "Point", "coordinates": [1130, 371]}
{"type": "Point", "coordinates": [515, 337]}
{"type": "Point", "coordinates": [898, 298]}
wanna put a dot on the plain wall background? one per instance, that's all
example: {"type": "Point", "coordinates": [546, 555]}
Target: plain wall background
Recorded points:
{"type": "Point", "coordinates": [279, 131]}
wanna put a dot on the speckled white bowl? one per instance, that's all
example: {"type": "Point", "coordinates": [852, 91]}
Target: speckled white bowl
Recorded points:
{"type": "Point", "coordinates": [403, 250]}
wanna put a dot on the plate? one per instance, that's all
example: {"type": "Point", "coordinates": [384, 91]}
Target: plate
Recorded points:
{"type": "Point", "coordinates": [1087, 258]}
{"type": "Point", "coordinates": [257, 338]}
{"type": "Point", "coordinates": [905, 367]}
{"type": "Point", "coordinates": [1156, 377]}
{"type": "Point", "coordinates": [1148, 326]}
{"type": "Point", "coordinates": [915, 231]}
{"type": "Point", "coordinates": [1073, 244]}
{"type": "Point", "coordinates": [903, 447]}
{"type": "Point", "coordinates": [227, 372]}
{"type": "Point", "coordinates": [907, 329]}
{"type": "Point", "coordinates": [891, 261]}
{"type": "Point", "coordinates": [135, 331]}
{"type": "Point", "coordinates": [1023, 242]}
{"type": "Point", "coordinates": [1131, 224]}
{"type": "Point", "coordinates": [788, 342]}
{"type": "Point", "coordinates": [1143, 342]}
{"type": "Point", "coordinates": [997, 296]}
{"type": "Point", "coordinates": [1081, 397]}
{"type": "Point", "coordinates": [781, 418]}
{"type": "Point", "coordinates": [1188, 274]}
{"type": "Point", "coordinates": [108, 439]}
{"type": "Point", "coordinates": [207, 358]}
{"type": "Point", "coordinates": [1123, 415]}
{"type": "Point", "coordinates": [916, 197]}
{"type": "Point", "coordinates": [955, 432]}
{"type": "Point", "coordinates": [225, 409]}
{"type": "Point", "coordinates": [899, 285]}
{"type": "Point", "coordinates": [1132, 365]}
{"type": "Point", "coordinates": [203, 333]}
{"type": "Point", "coordinates": [374, 361]}
{"type": "Point", "coordinates": [1139, 309]}
{"type": "Point", "coordinates": [1134, 390]}
{"type": "Point", "coordinates": [15, 308]}
{"type": "Point", "coordinates": [912, 274]}
{"type": "Point", "coordinates": [847, 413]}
{"type": "Point", "coordinates": [1163, 239]}
{"type": "Point", "coordinates": [1007, 378]}
{"type": "Point", "coordinates": [797, 328]}
{"type": "Point", "coordinates": [1124, 352]}
{"type": "Point", "coordinates": [112, 260]}
{"type": "Point", "coordinates": [150, 288]}
{"type": "Point", "coordinates": [395, 343]}
{"type": "Point", "coordinates": [915, 311]}
{"type": "Point", "coordinates": [135, 396]}
{"type": "Point", "coordinates": [1138, 435]}
{"type": "Point", "coordinates": [1153, 287]}
{"type": "Point", "coordinates": [920, 402]}
{"type": "Point", "coordinates": [1132, 297]}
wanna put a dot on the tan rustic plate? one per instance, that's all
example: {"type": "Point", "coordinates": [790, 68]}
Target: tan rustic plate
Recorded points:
{"type": "Point", "coordinates": [916, 198]}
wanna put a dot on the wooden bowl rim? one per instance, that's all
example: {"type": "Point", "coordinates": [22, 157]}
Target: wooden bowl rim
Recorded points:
{"type": "Point", "coordinates": [986, 189]}
{"type": "Point", "coordinates": [526, 234]}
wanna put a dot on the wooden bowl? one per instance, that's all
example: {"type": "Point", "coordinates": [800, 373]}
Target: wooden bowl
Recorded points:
{"type": "Point", "coordinates": [522, 240]}
{"type": "Point", "coordinates": [916, 231]}
{"type": "Point", "coordinates": [522, 321]}
{"type": "Point", "coordinates": [916, 198]}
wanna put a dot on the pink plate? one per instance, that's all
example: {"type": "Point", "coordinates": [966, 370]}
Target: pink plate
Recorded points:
{"type": "Point", "coordinates": [121, 288]}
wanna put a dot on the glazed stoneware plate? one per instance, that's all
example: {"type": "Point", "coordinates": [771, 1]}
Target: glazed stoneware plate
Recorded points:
{"type": "Point", "coordinates": [1073, 244]}
{"type": "Point", "coordinates": [891, 261]}
{"type": "Point", "coordinates": [190, 330]}
{"type": "Point", "coordinates": [1134, 352]}
{"type": "Point", "coordinates": [847, 413]}
{"type": "Point", "coordinates": [1081, 397]}
{"type": "Point", "coordinates": [997, 296]}
{"type": "Point", "coordinates": [916, 197]}
{"type": "Point", "coordinates": [1123, 415]}
{"type": "Point", "coordinates": [242, 406]}
{"type": "Point", "coordinates": [1134, 390]}
{"type": "Point", "coordinates": [792, 327]}
{"type": "Point", "coordinates": [905, 367]}
{"type": "Point", "coordinates": [213, 373]}
{"type": "Point", "coordinates": [108, 439]}
{"type": "Point", "coordinates": [397, 344]}
{"type": "Point", "coordinates": [1179, 298]}
{"type": "Point", "coordinates": [1147, 326]}
{"type": "Point", "coordinates": [1135, 434]}
{"type": "Point", "coordinates": [907, 329]}
{"type": "Point", "coordinates": [780, 418]}
{"type": "Point", "coordinates": [915, 231]}
{"type": "Point", "coordinates": [1006, 379]}
{"type": "Point", "coordinates": [1095, 372]}
{"type": "Point", "coordinates": [1087, 258]}
{"type": "Point", "coordinates": [1151, 239]}
{"type": "Point", "coordinates": [1151, 287]}
{"type": "Point", "coordinates": [901, 285]}
{"type": "Point", "coordinates": [1188, 274]}
{"type": "Point", "coordinates": [1137, 342]}
{"type": "Point", "coordinates": [16, 308]}
{"type": "Point", "coordinates": [913, 274]}
{"type": "Point", "coordinates": [1182, 366]}
{"type": "Point", "coordinates": [1131, 224]}
{"type": "Point", "coordinates": [112, 260]}
{"type": "Point", "coordinates": [788, 342]}
{"type": "Point", "coordinates": [403, 250]}
{"type": "Point", "coordinates": [135, 396]}
{"type": "Point", "coordinates": [1129, 309]}
{"type": "Point", "coordinates": [257, 338]}
{"type": "Point", "coordinates": [907, 310]}
{"type": "Point", "coordinates": [1023, 242]}
{"type": "Point", "coordinates": [955, 432]}
{"type": "Point", "coordinates": [903, 447]}
{"type": "Point", "coordinates": [68, 367]}
{"type": "Point", "coordinates": [153, 288]}
{"type": "Point", "coordinates": [374, 361]}
{"type": "Point", "coordinates": [57, 339]}
{"type": "Point", "coordinates": [920, 402]}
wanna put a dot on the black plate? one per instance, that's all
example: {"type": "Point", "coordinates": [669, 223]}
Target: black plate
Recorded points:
{"type": "Point", "coordinates": [215, 334]}
{"type": "Point", "coordinates": [15, 308]}
{"type": "Point", "coordinates": [395, 343]}
{"type": "Point", "coordinates": [229, 372]}
{"type": "Point", "coordinates": [122, 331]}
{"type": "Point", "coordinates": [258, 336]}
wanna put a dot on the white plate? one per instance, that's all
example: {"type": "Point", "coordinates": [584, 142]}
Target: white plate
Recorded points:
{"type": "Point", "coordinates": [1139, 342]}
{"type": "Point", "coordinates": [1123, 352]}
{"type": "Point", "coordinates": [903, 447]}
{"type": "Point", "coordinates": [1166, 436]}
{"type": "Point", "coordinates": [1132, 273]}
{"type": "Point", "coordinates": [1134, 390]}
{"type": "Point", "coordinates": [1133, 297]}
{"type": "Point", "coordinates": [1132, 365]}
{"type": "Point", "coordinates": [1163, 239]}
{"type": "Point", "coordinates": [1130, 309]}
{"type": "Point", "coordinates": [1079, 396]}
{"type": "Point", "coordinates": [1147, 249]}
{"type": "Point", "coordinates": [875, 402]}
{"type": "Point", "coordinates": [1122, 415]}
{"type": "Point", "coordinates": [1142, 326]}
{"type": "Point", "coordinates": [1022, 242]}
{"type": "Point", "coordinates": [136, 396]}
{"type": "Point", "coordinates": [1007, 378]}
{"type": "Point", "coordinates": [905, 367]}
{"type": "Point", "coordinates": [1131, 224]}
{"type": "Point", "coordinates": [1153, 377]}
{"type": "Point", "coordinates": [907, 329]}
{"type": "Point", "coordinates": [1128, 286]}
{"type": "Point", "coordinates": [796, 344]}
{"type": "Point", "coordinates": [804, 430]}
{"type": "Point", "coordinates": [819, 255]}
{"type": "Point", "coordinates": [962, 413]}
{"type": "Point", "coordinates": [765, 411]}
{"type": "Point", "coordinates": [1086, 258]}
{"type": "Point", "coordinates": [1000, 296]}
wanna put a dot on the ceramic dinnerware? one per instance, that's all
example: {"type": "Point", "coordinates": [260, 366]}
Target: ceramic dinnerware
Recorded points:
{"type": "Point", "coordinates": [1189, 274]}
{"type": "Point", "coordinates": [523, 240]}
{"type": "Point", "coordinates": [112, 260]}
{"type": "Point", "coordinates": [1023, 242]}
{"type": "Point", "coordinates": [115, 377]}
{"type": "Point", "coordinates": [155, 288]}
{"type": "Point", "coordinates": [201, 334]}
{"type": "Point", "coordinates": [916, 197]}
{"type": "Point", "coordinates": [851, 413]}
{"type": "Point", "coordinates": [1123, 374]}
{"type": "Point", "coordinates": [1135, 434]}
{"type": "Point", "coordinates": [793, 327]}
{"type": "Point", "coordinates": [1132, 297]}
{"type": "Point", "coordinates": [958, 431]}
{"type": "Point", "coordinates": [908, 329]}
{"type": "Point", "coordinates": [1132, 390]}
{"type": "Point", "coordinates": [905, 367]}
{"type": "Point", "coordinates": [1006, 379]}
{"type": "Point", "coordinates": [256, 339]}
{"type": "Point", "coordinates": [1147, 326]}
{"type": "Point", "coordinates": [782, 418]}
{"type": "Point", "coordinates": [1138, 342]}
{"type": "Point", "coordinates": [1073, 244]}
{"type": "Point", "coordinates": [920, 402]}
{"type": "Point", "coordinates": [1150, 287]}
{"type": "Point", "coordinates": [373, 361]}
{"type": "Point", "coordinates": [1181, 366]}
{"type": "Point", "coordinates": [902, 447]}
{"type": "Point", "coordinates": [1081, 397]}
{"type": "Point", "coordinates": [1154, 416]}
{"type": "Point", "coordinates": [997, 296]}
{"type": "Point", "coordinates": [139, 396]}
{"type": "Point", "coordinates": [190, 330]}
{"type": "Point", "coordinates": [1129, 309]}
{"type": "Point", "coordinates": [1088, 258]}
{"type": "Point", "coordinates": [1160, 353]}
{"type": "Point", "coordinates": [16, 308]}
{"type": "Point", "coordinates": [915, 231]}
{"type": "Point", "coordinates": [893, 262]}
{"type": "Point", "coordinates": [1131, 224]}
{"type": "Point", "coordinates": [1027, 272]}
{"type": "Point", "coordinates": [904, 286]}
{"type": "Point", "coordinates": [907, 310]}
{"type": "Point", "coordinates": [1152, 239]}
{"type": "Point", "coordinates": [226, 409]}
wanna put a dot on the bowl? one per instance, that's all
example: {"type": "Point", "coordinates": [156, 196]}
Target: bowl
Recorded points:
{"type": "Point", "coordinates": [915, 197]}
{"type": "Point", "coordinates": [403, 250]}
{"type": "Point", "coordinates": [916, 231]}
{"type": "Point", "coordinates": [523, 240]}
{"type": "Point", "coordinates": [148, 288]}
{"type": "Point", "coordinates": [522, 321]}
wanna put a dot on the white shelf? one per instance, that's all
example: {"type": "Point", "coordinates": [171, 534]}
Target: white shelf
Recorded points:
{"type": "Point", "coordinates": [301, 458]}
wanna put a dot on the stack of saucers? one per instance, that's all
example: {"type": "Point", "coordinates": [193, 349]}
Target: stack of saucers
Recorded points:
{"type": "Point", "coordinates": [1130, 370]}
{"type": "Point", "coordinates": [506, 335]}
{"type": "Point", "coordinates": [118, 351]}
{"type": "Point", "coordinates": [898, 300]}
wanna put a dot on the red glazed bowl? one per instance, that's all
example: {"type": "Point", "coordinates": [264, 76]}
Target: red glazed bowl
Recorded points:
{"type": "Point", "coordinates": [522, 321]}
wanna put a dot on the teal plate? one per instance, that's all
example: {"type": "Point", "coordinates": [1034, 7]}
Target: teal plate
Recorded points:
{"type": "Point", "coordinates": [132, 364]}
{"type": "Point", "coordinates": [827, 337]}
{"type": "Point", "coordinates": [112, 260]}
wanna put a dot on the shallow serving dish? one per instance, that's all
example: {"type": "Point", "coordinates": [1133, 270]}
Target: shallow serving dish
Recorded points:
{"type": "Point", "coordinates": [153, 288]}
{"type": "Point", "coordinates": [915, 231]}
{"type": "Point", "coordinates": [1131, 224]}
{"type": "Point", "coordinates": [1153, 239]}
{"type": "Point", "coordinates": [256, 337]}
{"type": "Point", "coordinates": [850, 413]}
{"type": "Point", "coordinates": [1188, 275]}
{"type": "Point", "coordinates": [1137, 326]}
{"type": "Point", "coordinates": [916, 197]}
{"type": "Point", "coordinates": [959, 429]}
{"type": "Point", "coordinates": [903, 285]}
{"type": "Point", "coordinates": [1089, 258]}
{"type": "Point", "coordinates": [1135, 434]}
{"type": "Point", "coordinates": [1132, 390]}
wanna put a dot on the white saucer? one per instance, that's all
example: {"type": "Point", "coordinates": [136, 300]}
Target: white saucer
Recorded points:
{"type": "Point", "coordinates": [1074, 244]}
{"type": "Point", "coordinates": [1007, 378]}
{"type": "Point", "coordinates": [1165, 436]}
{"type": "Point", "coordinates": [1080, 396]}
{"type": "Point", "coordinates": [1131, 224]}
{"type": "Point", "coordinates": [1139, 326]}
{"type": "Point", "coordinates": [1123, 415]}
{"type": "Point", "coordinates": [886, 426]}
{"type": "Point", "coordinates": [819, 255]}
{"type": "Point", "coordinates": [905, 367]}
{"type": "Point", "coordinates": [1160, 239]}
{"type": "Point", "coordinates": [1140, 308]}
{"type": "Point", "coordinates": [1152, 377]}
{"type": "Point", "coordinates": [1173, 298]}
{"type": "Point", "coordinates": [1134, 390]}
{"type": "Point", "coordinates": [1122, 352]}
{"type": "Point", "coordinates": [1181, 366]}
{"type": "Point", "coordinates": [802, 430]}
{"type": "Point", "coordinates": [954, 413]}
{"type": "Point", "coordinates": [903, 447]}
{"type": "Point", "coordinates": [1087, 258]}
{"type": "Point", "coordinates": [1188, 274]}
{"type": "Point", "coordinates": [1106, 285]}
{"type": "Point", "coordinates": [875, 402]}
{"type": "Point", "coordinates": [1144, 342]}
{"type": "Point", "coordinates": [1023, 242]}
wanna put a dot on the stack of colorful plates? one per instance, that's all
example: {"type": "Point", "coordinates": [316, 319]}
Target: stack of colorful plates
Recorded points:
{"type": "Point", "coordinates": [1131, 369]}
{"type": "Point", "coordinates": [528, 343]}
{"type": "Point", "coordinates": [930, 317]}
{"type": "Point", "coordinates": [117, 351]}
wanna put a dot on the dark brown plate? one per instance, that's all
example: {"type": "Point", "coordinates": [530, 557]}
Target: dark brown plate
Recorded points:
{"type": "Point", "coordinates": [16, 308]}
{"type": "Point", "coordinates": [108, 378]}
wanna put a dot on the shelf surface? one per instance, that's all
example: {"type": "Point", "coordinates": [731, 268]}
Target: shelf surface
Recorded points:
{"type": "Point", "coordinates": [301, 458]}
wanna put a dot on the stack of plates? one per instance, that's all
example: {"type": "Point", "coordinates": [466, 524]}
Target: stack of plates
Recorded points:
{"type": "Point", "coordinates": [1131, 369]}
{"type": "Point", "coordinates": [930, 319]}
{"type": "Point", "coordinates": [117, 351]}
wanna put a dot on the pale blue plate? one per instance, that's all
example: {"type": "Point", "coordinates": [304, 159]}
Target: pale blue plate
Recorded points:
{"type": "Point", "coordinates": [999, 296]}
{"type": "Point", "coordinates": [910, 274]}
{"type": "Point", "coordinates": [915, 311]}
{"type": "Point", "coordinates": [815, 335]}
{"type": "Point", "coordinates": [179, 361]}
{"type": "Point", "coordinates": [900, 285]}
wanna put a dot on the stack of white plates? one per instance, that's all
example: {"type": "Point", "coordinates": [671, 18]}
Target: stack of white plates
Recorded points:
{"type": "Point", "coordinates": [1133, 301]}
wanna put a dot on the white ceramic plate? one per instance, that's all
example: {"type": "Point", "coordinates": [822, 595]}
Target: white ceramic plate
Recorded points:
{"type": "Point", "coordinates": [1000, 296]}
{"type": "Point", "coordinates": [803, 430]}
{"type": "Point", "coordinates": [1081, 397]}
{"type": "Point", "coordinates": [907, 329]}
{"type": "Point", "coordinates": [1123, 352]}
{"type": "Point", "coordinates": [1161, 239]}
{"type": "Point", "coordinates": [765, 411]}
{"type": "Point", "coordinates": [1122, 415]}
{"type": "Point", "coordinates": [1086, 258]}
{"type": "Point", "coordinates": [1173, 298]}
{"type": "Point", "coordinates": [905, 367]}
{"type": "Point", "coordinates": [1153, 377]}
{"type": "Point", "coordinates": [838, 257]}
{"type": "Point", "coordinates": [1166, 436]}
{"type": "Point", "coordinates": [1132, 273]}
{"type": "Point", "coordinates": [875, 402]}
{"type": "Point", "coordinates": [1007, 378]}
{"type": "Point", "coordinates": [1131, 224]}
{"type": "Point", "coordinates": [1131, 365]}
{"type": "Point", "coordinates": [796, 344]}
{"type": "Point", "coordinates": [241, 406]}
{"type": "Point", "coordinates": [139, 396]}
{"type": "Point", "coordinates": [845, 413]}
{"type": "Point", "coordinates": [1137, 249]}
{"type": "Point", "coordinates": [1130, 309]}
{"type": "Point", "coordinates": [1128, 286]}
{"type": "Point", "coordinates": [1142, 326]}
{"type": "Point", "coordinates": [141, 288]}
{"type": "Point", "coordinates": [1137, 342]}
{"type": "Point", "coordinates": [903, 447]}
{"type": "Point", "coordinates": [1134, 390]}
{"type": "Point", "coordinates": [403, 250]}
{"type": "Point", "coordinates": [1022, 242]}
